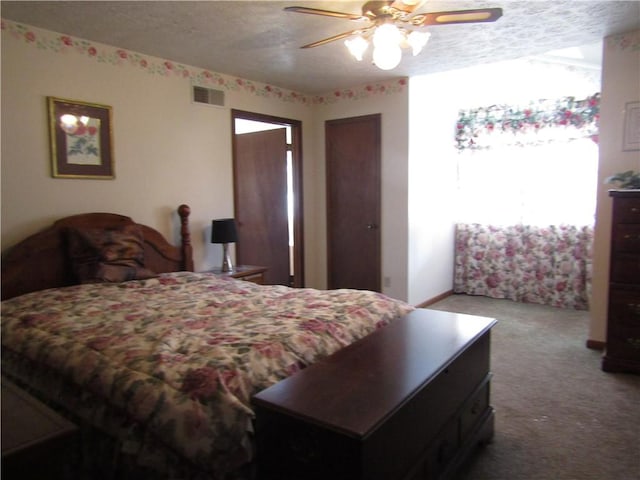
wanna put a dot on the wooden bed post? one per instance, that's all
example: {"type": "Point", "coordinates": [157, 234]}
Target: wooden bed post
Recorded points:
{"type": "Point", "coordinates": [185, 235]}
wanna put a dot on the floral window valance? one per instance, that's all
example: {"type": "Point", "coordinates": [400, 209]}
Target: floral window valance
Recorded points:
{"type": "Point", "coordinates": [539, 122]}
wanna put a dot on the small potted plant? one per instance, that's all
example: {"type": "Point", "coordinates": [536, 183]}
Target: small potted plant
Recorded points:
{"type": "Point", "coordinates": [628, 180]}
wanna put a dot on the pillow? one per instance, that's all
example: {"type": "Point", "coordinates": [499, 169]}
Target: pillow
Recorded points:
{"type": "Point", "coordinates": [107, 255]}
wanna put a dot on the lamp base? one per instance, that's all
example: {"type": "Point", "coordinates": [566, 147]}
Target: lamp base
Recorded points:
{"type": "Point", "coordinates": [227, 264]}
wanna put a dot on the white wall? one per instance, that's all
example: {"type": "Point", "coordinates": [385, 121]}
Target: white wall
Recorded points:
{"type": "Point", "coordinates": [167, 150]}
{"type": "Point", "coordinates": [393, 107]}
{"type": "Point", "coordinates": [432, 184]}
{"type": "Point", "coordinates": [620, 84]}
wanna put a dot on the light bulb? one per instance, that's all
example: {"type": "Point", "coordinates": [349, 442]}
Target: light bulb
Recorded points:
{"type": "Point", "coordinates": [417, 41]}
{"type": "Point", "coordinates": [387, 57]}
{"type": "Point", "coordinates": [387, 35]}
{"type": "Point", "coordinates": [357, 46]}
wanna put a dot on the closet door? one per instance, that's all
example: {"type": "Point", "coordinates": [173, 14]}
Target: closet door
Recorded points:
{"type": "Point", "coordinates": [353, 202]}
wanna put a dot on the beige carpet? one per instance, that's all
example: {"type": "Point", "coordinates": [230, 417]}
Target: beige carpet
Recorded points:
{"type": "Point", "coordinates": [558, 415]}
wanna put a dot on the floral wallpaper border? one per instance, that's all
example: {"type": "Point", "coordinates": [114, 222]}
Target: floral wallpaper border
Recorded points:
{"type": "Point", "coordinates": [625, 41]}
{"type": "Point", "coordinates": [66, 44]}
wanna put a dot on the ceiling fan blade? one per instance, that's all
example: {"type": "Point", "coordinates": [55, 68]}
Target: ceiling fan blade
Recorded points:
{"type": "Point", "coordinates": [331, 39]}
{"type": "Point", "coordinates": [458, 16]}
{"type": "Point", "coordinates": [326, 13]}
{"type": "Point", "coordinates": [407, 5]}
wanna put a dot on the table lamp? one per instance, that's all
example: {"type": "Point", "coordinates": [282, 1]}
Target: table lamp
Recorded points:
{"type": "Point", "coordinates": [224, 231]}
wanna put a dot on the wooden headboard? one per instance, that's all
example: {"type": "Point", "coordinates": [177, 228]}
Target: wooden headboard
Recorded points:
{"type": "Point", "coordinates": [41, 261]}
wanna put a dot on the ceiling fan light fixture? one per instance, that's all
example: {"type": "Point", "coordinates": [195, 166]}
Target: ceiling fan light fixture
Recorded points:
{"type": "Point", "coordinates": [417, 41]}
{"type": "Point", "coordinates": [387, 27]}
{"type": "Point", "coordinates": [387, 57]}
{"type": "Point", "coordinates": [357, 46]}
{"type": "Point", "coordinates": [387, 35]}
{"type": "Point", "coordinates": [387, 40]}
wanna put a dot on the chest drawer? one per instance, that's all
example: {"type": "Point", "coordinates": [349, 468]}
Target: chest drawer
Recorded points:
{"type": "Point", "coordinates": [473, 409]}
{"type": "Point", "coordinates": [626, 237]}
{"type": "Point", "coordinates": [625, 268]}
{"type": "Point", "coordinates": [627, 210]}
{"type": "Point", "coordinates": [624, 306]}
{"type": "Point", "coordinates": [623, 342]}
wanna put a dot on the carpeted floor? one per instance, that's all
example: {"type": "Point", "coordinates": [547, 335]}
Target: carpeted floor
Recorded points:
{"type": "Point", "coordinates": [558, 415]}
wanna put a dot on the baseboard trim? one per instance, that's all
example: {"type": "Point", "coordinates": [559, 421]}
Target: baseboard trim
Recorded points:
{"type": "Point", "coordinates": [435, 299]}
{"type": "Point", "coordinates": [596, 344]}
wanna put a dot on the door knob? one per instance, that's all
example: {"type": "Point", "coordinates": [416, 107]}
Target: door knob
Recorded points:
{"type": "Point", "coordinates": [372, 226]}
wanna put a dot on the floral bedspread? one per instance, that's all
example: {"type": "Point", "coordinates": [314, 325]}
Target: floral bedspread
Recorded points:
{"type": "Point", "coordinates": [183, 353]}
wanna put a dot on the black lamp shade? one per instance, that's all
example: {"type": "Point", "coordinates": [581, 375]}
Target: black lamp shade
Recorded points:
{"type": "Point", "coordinates": [224, 231]}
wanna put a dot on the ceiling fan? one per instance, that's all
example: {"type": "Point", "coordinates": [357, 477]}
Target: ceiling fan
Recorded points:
{"type": "Point", "coordinates": [391, 25]}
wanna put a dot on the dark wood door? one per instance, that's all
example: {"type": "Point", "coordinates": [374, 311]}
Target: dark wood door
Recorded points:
{"type": "Point", "coordinates": [260, 181]}
{"type": "Point", "coordinates": [353, 202]}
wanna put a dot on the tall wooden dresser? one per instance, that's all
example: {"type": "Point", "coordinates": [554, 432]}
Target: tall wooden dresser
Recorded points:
{"type": "Point", "coordinates": [623, 324]}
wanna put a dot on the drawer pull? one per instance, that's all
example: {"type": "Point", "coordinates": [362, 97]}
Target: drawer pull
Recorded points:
{"type": "Point", "coordinates": [635, 209]}
{"type": "Point", "coordinates": [634, 342]}
{"type": "Point", "coordinates": [630, 236]}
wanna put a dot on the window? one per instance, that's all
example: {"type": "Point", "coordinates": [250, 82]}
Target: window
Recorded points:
{"type": "Point", "coordinates": [532, 165]}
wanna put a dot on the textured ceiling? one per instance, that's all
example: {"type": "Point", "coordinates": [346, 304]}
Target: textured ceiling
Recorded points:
{"type": "Point", "coordinates": [259, 41]}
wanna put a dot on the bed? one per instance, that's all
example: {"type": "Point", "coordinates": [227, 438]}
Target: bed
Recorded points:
{"type": "Point", "coordinates": [106, 321]}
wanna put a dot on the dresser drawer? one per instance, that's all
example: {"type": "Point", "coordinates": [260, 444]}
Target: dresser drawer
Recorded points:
{"type": "Point", "coordinates": [627, 210]}
{"type": "Point", "coordinates": [625, 268]}
{"type": "Point", "coordinates": [623, 342]}
{"type": "Point", "coordinates": [626, 237]}
{"type": "Point", "coordinates": [624, 306]}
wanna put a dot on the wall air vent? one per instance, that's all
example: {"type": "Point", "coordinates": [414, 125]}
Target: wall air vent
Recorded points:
{"type": "Point", "coordinates": [208, 96]}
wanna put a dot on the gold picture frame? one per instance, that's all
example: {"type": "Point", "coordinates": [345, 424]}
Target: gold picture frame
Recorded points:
{"type": "Point", "coordinates": [631, 133]}
{"type": "Point", "coordinates": [81, 139]}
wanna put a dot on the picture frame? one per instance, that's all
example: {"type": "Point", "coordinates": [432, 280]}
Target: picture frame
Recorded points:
{"type": "Point", "coordinates": [81, 139]}
{"type": "Point", "coordinates": [631, 134]}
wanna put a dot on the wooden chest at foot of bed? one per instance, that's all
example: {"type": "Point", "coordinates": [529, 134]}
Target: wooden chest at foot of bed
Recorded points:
{"type": "Point", "coordinates": [408, 402]}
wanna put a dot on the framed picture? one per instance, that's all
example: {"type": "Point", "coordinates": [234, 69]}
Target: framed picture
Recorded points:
{"type": "Point", "coordinates": [81, 140]}
{"type": "Point", "coordinates": [631, 135]}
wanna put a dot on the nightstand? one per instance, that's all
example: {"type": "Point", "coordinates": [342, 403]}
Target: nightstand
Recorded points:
{"type": "Point", "coordinates": [36, 441]}
{"type": "Point", "coordinates": [250, 273]}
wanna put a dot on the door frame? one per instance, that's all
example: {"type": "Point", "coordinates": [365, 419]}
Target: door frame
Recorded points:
{"type": "Point", "coordinates": [296, 156]}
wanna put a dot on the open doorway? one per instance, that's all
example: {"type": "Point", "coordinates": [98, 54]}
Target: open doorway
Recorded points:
{"type": "Point", "coordinates": [267, 171]}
